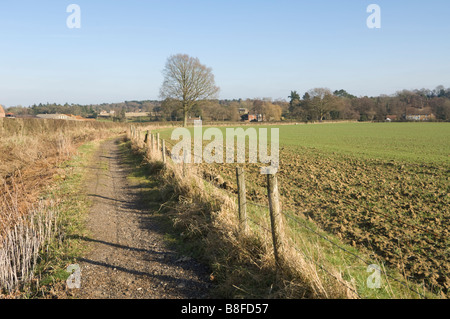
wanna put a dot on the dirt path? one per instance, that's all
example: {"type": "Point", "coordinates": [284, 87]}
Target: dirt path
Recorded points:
{"type": "Point", "coordinates": [128, 257]}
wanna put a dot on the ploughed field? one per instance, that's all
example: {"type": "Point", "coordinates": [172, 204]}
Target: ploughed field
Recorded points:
{"type": "Point", "coordinates": [384, 187]}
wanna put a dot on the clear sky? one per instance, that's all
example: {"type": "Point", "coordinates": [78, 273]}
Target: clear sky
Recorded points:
{"type": "Point", "coordinates": [256, 48]}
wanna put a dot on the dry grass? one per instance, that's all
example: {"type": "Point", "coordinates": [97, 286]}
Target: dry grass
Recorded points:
{"type": "Point", "coordinates": [30, 153]}
{"type": "Point", "coordinates": [21, 244]}
{"type": "Point", "coordinates": [243, 264]}
{"type": "Point", "coordinates": [24, 142]}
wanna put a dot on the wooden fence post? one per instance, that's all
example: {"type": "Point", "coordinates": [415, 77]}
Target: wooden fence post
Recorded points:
{"type": "Point", "coordinates": [164, 151]}
{"type": "Point", "coordinates": [276, 219]}
{"type": "Point", "coordinates": [152, 146]}
{"type": "Point", "coordinates": [242, 200]}
{"type": "Point", "coordinates": [139, 138]}
{"type": "Point", "coordinates": [148, 151]}
{"type": "Point", "coordinates": [158, 147]}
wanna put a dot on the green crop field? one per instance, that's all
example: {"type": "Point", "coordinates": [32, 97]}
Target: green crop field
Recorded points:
{"type": "Point", "coordinates": [382, 187]}
{"type": "Point", "coordinates": [413, 142]}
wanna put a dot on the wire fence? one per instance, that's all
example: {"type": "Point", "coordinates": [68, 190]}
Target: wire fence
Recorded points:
{"type": "Point", "coordinates": [298, 222]}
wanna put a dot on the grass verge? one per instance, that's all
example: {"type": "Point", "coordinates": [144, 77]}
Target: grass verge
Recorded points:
{"type": "Point", "coordinates": [65, 247]}
{"type": "Point", "coordinates": [204, 224]}
{"type": "Point", "coordinates": [243, 265]}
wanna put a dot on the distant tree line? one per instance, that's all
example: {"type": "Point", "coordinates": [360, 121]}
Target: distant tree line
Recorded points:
{"type": "Point", "coordinates": [226, 110]}
{"type": "Point", "coordinates": [321, 104]}
{"type": "Point", "coordinates": [315, 105]}
{"type": "Point", "coordinates": [87, 111]}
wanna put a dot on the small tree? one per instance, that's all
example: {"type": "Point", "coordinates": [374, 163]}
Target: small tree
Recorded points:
{"type": "Point", "coordinates": [188, 81]}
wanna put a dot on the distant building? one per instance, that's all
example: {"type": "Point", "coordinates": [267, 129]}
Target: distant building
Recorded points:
{"type": "Point", "coordinates": [107, 114]}
{"type": "Point", "coordinates": [54, 116]}
{"type": "Point", "coordinates": [420, 117]}
{"type": "Point", "coordinates": [137, 114]}
{"type": "Point", "coordinates": [25, 116]}
{"type": "Point", "coordinates": [390, 118]}
{"type": "Point", "coordinates": [419, 114]}
{"type": "Point", "coordinates": [78, 118]}
{"type": "Point", "coordinates": [193, 119]}
{"type": "Point", "coordinates": [252, 118]}
{"type": "Point", "coordinates": [67, 117]}
{"type": "Point", "coordinates": [2, 111]}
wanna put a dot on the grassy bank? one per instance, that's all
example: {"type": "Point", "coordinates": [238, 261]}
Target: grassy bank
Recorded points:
{"type": "Point", "coordinates": [355, 237]}
{"type": "Point", "coordinates": [61, 211]}
{"type": "Point", "coordinates": [38, 180]}
{"type": "Point", "coordinates": [204, 225]}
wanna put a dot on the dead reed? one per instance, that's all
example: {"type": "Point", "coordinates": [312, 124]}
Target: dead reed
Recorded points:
{"type": "Point", "coordinates": [31, 151]}
{"type": "Point", "coordinates": [21, 244]}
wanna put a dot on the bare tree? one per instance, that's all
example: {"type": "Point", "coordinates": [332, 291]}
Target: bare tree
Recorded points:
{"type": "Point", "coordinates": [321, 102]}
{"type": "Point", "coordinates": [187, 80]}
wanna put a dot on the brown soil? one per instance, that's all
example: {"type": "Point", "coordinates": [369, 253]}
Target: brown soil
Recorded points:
{"type": "Point", "coordinates": [128, 256]}
{"type": "Point", "coordinates": [397, 211]}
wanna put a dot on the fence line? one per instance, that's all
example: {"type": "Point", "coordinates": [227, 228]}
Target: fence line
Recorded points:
{"type": "Point", "coordinates": [349, 252]}
{"type": "Point", "coordinates": [328, 272]}
{"type": "Point", "coordinates": [274, 208]}
{"type": "Point", "coordinates": [259, 225]}
{"type": "Point", "coordinates": [375, 213]}
{"type": "Point", "coordinates": [275, 219]}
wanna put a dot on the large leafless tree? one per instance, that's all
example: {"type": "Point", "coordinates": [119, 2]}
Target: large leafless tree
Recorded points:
{"type": "Point", "coordinates": [321, 102]}
{"type": "Point", "coordinates": [188, 81]}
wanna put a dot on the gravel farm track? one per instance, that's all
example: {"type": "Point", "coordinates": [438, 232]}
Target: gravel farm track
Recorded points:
{"type": "Point", "coordinates": [127, 256]}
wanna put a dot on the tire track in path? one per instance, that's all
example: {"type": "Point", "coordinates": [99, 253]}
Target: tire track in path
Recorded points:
{"type": "Point", "coordinates": [127, 256]}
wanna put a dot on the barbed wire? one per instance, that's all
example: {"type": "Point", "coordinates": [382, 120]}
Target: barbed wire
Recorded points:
{"type": "Point", "coordinates": [328, 272]}
{"type": "Point", "coordinates": [310, 259]}
{"type": "Point", "coordinates": [349, 252]}
{"type": "Point", "coordinates": [376, 213]}
{"type": "Point", "coordinates": [382, 214]}
{"type": "Point", "coordinates": [259, 225]}
{"type": "Point", "coordinates": [322, 236]}
{"type": "Point", "coordinates": [258, 205]}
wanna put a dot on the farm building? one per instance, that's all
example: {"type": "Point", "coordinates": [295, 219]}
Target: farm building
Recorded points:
{"type": "Point", "coordinates": [193, 119]}
{"type": "Point", "coordinates": [390, 118]}
{"type": "Point", "coordinates": [422, 114]}
{"type": "Point", "coordinates": [67, 117]}
{"type": "Point", "coordinates": [420, 117]}
{"type": "Point", "coordinates": [54, 116]}
{"type": "Point", "coordinates": [137, 114]}
{"type": "Point", "coordinates": [252, 118]}
{"type": "Point", "coordinates": [2, 111]}
{"type": "Point", "coordinates": [104, 113]}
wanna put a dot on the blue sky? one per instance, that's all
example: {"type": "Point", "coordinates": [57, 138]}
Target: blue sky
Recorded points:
{"type": "Point", "coordinates": [257, 48]}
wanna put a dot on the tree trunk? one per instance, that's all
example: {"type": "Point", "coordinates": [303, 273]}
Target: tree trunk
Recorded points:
{"type": "Point", "coordinates": [185, 119]}
{"type": "Point", "coordinates": [185, 109]}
